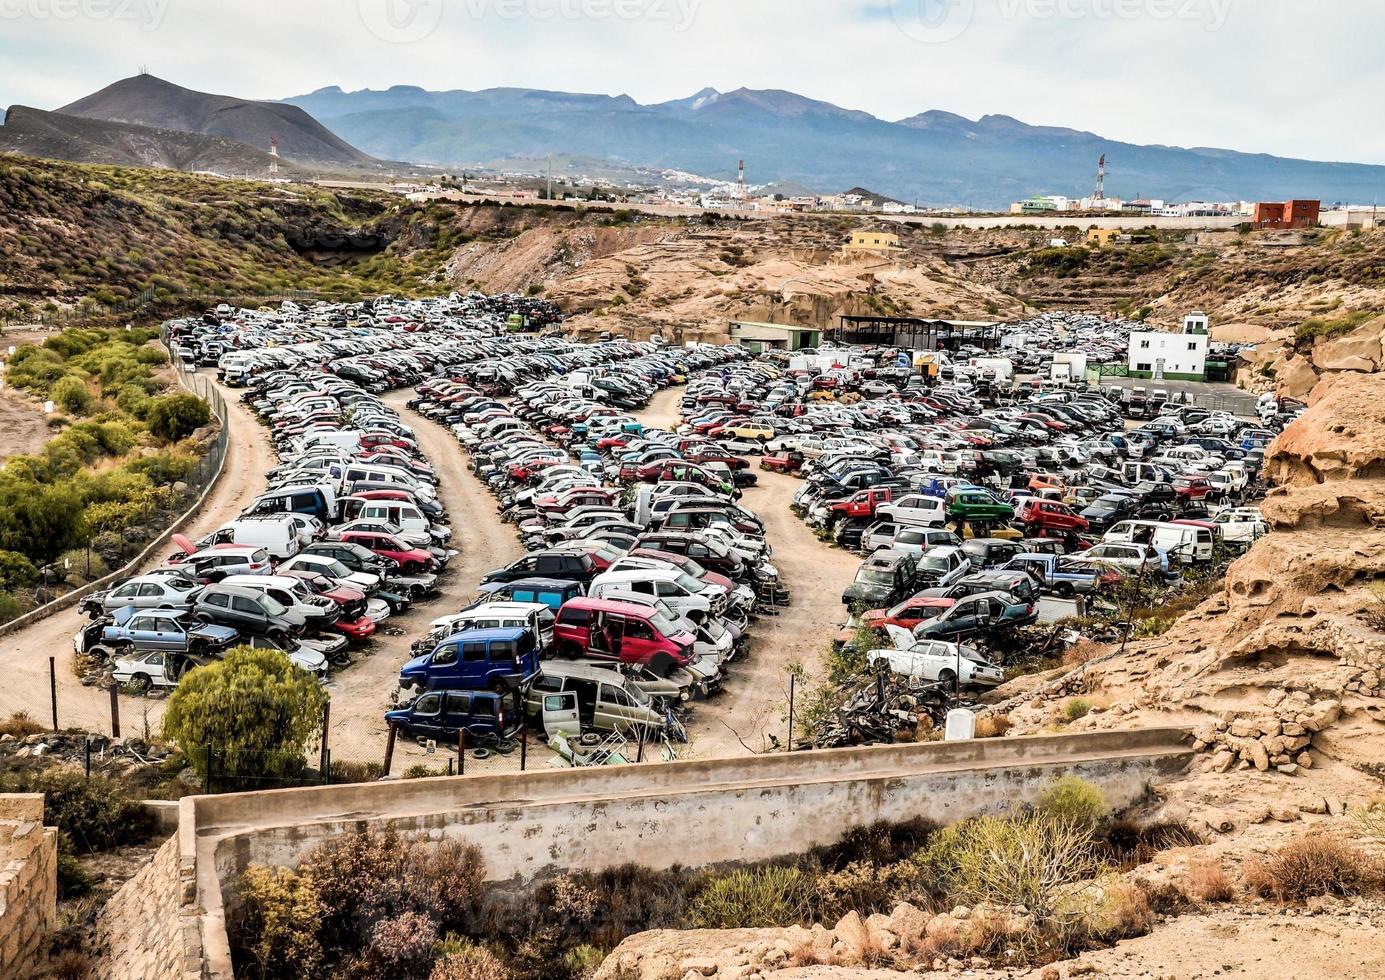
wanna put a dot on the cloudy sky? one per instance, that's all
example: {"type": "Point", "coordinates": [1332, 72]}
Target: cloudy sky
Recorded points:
{"type": "Point", "coordinates": [1274, 76]}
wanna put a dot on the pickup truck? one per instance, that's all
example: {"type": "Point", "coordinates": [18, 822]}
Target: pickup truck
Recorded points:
{"type": "Point", "coordinates": [859, 506]}
{"type": "Point", "coordinates": [1053, 576]}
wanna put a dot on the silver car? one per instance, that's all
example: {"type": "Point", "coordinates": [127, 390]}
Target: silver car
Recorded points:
{"type": "Point", "coordinates": [144, 592]}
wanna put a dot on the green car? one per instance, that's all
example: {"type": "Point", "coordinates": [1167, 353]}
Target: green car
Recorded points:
{"type": "Point", "coordinates": [970, 504]}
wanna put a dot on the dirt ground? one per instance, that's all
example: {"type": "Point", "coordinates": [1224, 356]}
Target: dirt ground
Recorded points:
{"type": "Point", "coordinates": [754, 703]}
{"type": "Point", "coordinates": [23, 427]}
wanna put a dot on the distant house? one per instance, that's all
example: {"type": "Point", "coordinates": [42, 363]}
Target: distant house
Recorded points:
{"type": "Point", "coordinates": [1167, 356]}
{"type": "Point", "coordinates": [1290, 214]}
{"type": "Point", "coordinates": [872, 241]}
{"type": "Point", "coordinates": [1101, 237]}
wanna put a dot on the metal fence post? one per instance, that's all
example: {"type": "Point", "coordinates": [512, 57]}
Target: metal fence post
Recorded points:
{"type": "Point", "coordinates": [322, 764]}
{"type": "Point", "coordinates": [788, 745]}
{"type": "Point", "coordinates": [524, 744]}
{"type": "Point", "coordinates": [53, 688]}
{"type": "Point", "coordinates": [389, 750]}
{"type": "Point", "coordinates": [115, 711]}
{"type": "Point", "coordinates": [461, 752]}
{"type": "Point", "coordinates": [211, 760]}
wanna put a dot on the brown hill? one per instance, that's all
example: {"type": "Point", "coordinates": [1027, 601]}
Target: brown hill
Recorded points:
{"type": "Point", "coordinates": [144, 100]}
{"type": "Point", "coordinates": [56, 136]}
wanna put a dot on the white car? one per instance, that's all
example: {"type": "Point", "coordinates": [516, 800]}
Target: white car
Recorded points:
{"type": "Point", "coordinates": [934, 660]}
{"type": "Point", "coordinates": [915, 510]}
{"type": "Point", "coordinates": [1241, 526]}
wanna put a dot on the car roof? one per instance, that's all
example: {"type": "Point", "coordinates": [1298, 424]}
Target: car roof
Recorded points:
{"type": "Point", "coordinates": [489, 636]}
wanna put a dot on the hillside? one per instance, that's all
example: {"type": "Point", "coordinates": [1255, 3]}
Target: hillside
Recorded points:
{"type": "Point", "coordinates": [55, 136]}
{"type": "Point", "coordinates": [144, 100]}
{"type": "Point", "coordinates": [933, 157]}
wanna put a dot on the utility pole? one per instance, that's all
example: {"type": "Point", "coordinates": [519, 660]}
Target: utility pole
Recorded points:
{"type": "Point", "coordinates": [550, 176]}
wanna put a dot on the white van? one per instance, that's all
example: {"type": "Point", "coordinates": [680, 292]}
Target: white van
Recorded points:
{"type": "Point", "coordinates": [405, 516]}
{"type": "Point", "coordinates": [535, 617]}
{"type": "Point", "coordinates": [1181, 542]}
{"type": "Point", "coordinates": [360, 472]}
{"type": "Point", "coordinates": [685, 595]}
{"type": "Point", "coordinates": [279, 534]}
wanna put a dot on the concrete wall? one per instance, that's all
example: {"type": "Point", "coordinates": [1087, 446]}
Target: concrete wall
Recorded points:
{"type": "Point", "coordinates": [693, 813]}
{"type": "Point", "coordinates": [28, 883]}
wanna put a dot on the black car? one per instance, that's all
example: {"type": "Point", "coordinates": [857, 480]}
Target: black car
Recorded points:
{"type": "Point", "coordinates": [565, 566]}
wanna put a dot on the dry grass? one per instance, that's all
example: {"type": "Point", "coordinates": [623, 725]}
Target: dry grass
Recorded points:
{"type": "Point", "coordinates": [1082, 652]}
{"type": "Point", "coordinates": [1208, 882]}
{"type": "Point", "coordinates": [993, 726]}
{"type": "Point", "coordinates": [20, 725]}
{"type": "Point", "coordinates": [1314, 866]}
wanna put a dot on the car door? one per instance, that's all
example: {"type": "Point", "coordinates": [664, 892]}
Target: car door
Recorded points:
{"type": "Point", "coordinates": [126, 595]}
{"type": "Point", "coordinates": [561, 714]}
{"type": "Point", "coordinates": [147, 632]}
{"type": "Point", "coordinates": [615, 710]}
{"type": "Point", "coordinates": [426, 721]}
{"type": "Point", "coordinates": [246, 612]}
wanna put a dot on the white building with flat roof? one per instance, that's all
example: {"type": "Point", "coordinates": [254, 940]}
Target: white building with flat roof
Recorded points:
{"type": "Point", "coordinates": [1163, 355]}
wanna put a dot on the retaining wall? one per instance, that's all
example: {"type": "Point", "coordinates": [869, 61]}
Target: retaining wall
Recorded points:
{"type": "Point", "coordinates": [28, 883]}
{"type": "Point", "coordinates": [692, 813]}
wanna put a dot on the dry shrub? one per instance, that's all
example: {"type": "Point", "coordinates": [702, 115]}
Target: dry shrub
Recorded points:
{"type": "Point", "coordinates": [20, 725]}
{"type": "Point", "coordinates": [804, 954]}
{"type": "Point", "coordinates": [1371, 820]}
{"type": "Point", "coordinates": [369, 877]}
{"type": "Point", "coordinates": [993, 726]}
{"type": "Point", "coordinates": [278, 918]}
{"type": "Point", "coordinates": [1026, 861]}
{"type": "Point", "coordinates": [1312, 866]}
{"type": "Point", "coordinates": [1076, 708]}
{"type": "Point", "coordinates": [1209, 882]}
{"type": "Point", "coordinates": [864, 887]}
{"type": "Point", "coordinates": [1082, 652]}
{"type": "Point", "coordinates": [1123, 912]}
{"type": "Point", "coordinates": [355, 772]}
{"type": "Point", "coordinates": [759, 898]}
{"type": "Point", "coordinates": [467, 961]}
{"type": "Point", "coordinates": [402, 946]}
{"type": "Point", "coordinates": [1129, 844]}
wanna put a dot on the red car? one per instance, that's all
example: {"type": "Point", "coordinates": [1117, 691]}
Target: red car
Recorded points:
{"type": "Point", "coordinates": [1048, 516]}
{"type": "Point", "coordinates": [1192, 488]}
{"type": "Point", "coordinates": [411, 561]}
{"type": "Point", "coordinates": [353, 622]}
{"type": "Point", "coordinates": [782, 462]}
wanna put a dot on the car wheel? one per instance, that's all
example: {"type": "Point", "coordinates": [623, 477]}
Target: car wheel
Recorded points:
{"type": "Point", "coordinates": [1063, 590]}
{"type": "Point", "coordinates": [498, 686]}
{"type": "Point", "coordinates": [568, 651]}
{"type": "Point", "coordinates": [141, 683]}
{"type": "Point", "coordinates": [662, 665]}
{"type": "Point", "coordinates": [948, 676]}
{"type": "Point", "coordinates": [880, 665]}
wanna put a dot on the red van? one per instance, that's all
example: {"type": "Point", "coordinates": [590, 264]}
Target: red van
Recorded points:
{"type": "Point", "coordinates": [1049, 515]}
{"type": "Point", "coordinates": [621, 631]}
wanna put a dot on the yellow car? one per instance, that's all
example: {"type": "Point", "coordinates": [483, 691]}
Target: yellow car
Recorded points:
{"type": "Point", "coordinates": [750, 432]}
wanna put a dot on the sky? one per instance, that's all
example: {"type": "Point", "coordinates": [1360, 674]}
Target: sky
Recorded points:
{"type": "Point", "coordinates": [1272, 76]}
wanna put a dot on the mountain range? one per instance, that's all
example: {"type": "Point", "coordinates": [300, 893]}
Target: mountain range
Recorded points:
{"type": "Point", "coordinates": [786, 139]}
{"type": "Point", "coordinates": [146, 121]}
{"type": "Point", "coordinates": [934, 157]}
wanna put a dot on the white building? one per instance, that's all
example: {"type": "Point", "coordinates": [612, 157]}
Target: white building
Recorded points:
{"type": "Point", "coordinates": [1181, 356]}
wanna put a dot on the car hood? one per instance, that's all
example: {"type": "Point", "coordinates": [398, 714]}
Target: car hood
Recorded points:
{"type": "Point", "coordinates": [419, 665]}
{"type": "Point", "coordinates": [211, 631]}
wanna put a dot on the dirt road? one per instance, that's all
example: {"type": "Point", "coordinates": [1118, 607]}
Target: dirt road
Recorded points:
{"type": "Point", "coordinates": [754, 702]}
{"type": "Point", "coordinates": [24, 655]}
{"type": "Point", "coordinates": [360, 694]}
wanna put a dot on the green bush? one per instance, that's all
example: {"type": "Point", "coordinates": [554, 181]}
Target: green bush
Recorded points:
{"type": "Point", "coordinates": [254, 709]}
{"type": "Point", "coordinates": [16, 572]}
{"type": "Point", "coordinates": [175, 417]}
{"type": "Point", "coordinates": [1073, 800]}
{"type": "Point", "coordinates": [1076, 708]}
{"type": "Point", "coordinates": [279, 914]}
{"type": "Point", "coordinates": [74, 881]}
{"type": "Point", "coordinates": [72, 395]}
{"type": "Point", "coordinates": [94, 813]}
{"type": "Point", "coordinates": [759, 898]}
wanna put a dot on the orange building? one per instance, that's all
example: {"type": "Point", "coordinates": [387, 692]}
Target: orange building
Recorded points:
{"type": "Point", "coordinates": [1290, 214]}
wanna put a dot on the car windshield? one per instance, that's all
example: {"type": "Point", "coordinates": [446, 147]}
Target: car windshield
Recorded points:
{"type": "Point", "coordinates": [689, 584]}
{"type": "Point", "coordinates": [273, 606]}
{"type": "Point", "coordinates": [933, 564]}
{"type": "Point", "coordinates": [874, 576]}
{"type": "Point", "coordinates": [662, 624]}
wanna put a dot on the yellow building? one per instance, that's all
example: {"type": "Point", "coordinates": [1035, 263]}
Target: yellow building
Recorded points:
{"type": "Point", "coordinates": [1101, 237]}
{"type": "Point", "coordinates": [872, 241]}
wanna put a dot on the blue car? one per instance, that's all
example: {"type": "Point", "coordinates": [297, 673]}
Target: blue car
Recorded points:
{"type": "Point", "coordinates": [172, 630]}
{"type": "Point", "coordinates": [440, 715]}
{"type": "Point", "coordinates": [550, 592]}
{"type": "Point", "coordinates": [476, 660]}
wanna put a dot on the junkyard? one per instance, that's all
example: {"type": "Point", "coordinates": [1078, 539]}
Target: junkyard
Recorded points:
{"type": "Point", "coordinates": [713, 552]}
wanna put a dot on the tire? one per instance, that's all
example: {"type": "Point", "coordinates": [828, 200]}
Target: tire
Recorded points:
{"type": "Point", "coordinates": [142, 683]}
{"type": "Point", "coordinates": [662, 665]}
{"type": "Point", "coordinates": [880, 665]}
{"type": "Point", "coordinates": [498, 686]}
{"type": "Point", "coordinates": [568, 651]}
{"type": "Point", "coordinates": [1063, 590]}
{"type": "Point", "coordinates": [947, 676]}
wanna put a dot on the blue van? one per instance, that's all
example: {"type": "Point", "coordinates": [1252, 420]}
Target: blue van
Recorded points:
{"type": "Point", "coordinates": [545, 591]}
{"type": "Point", "coordinates": [475, 660]}
{"type": "Point", "coordinates": [440, 715]}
